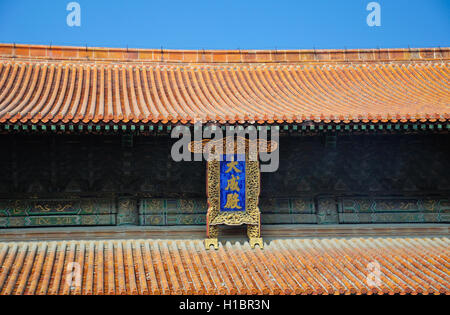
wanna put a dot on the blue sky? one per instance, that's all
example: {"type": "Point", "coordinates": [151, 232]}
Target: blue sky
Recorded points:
{"type": "Point", "coordinates": [233, 24]}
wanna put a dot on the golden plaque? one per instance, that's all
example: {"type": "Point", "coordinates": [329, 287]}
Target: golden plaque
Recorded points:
{"type": "Point", "coordinates": [233, 185]}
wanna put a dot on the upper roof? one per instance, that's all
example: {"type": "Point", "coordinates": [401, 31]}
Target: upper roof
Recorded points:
{"type": "Point", "coordinates": [45, 84]}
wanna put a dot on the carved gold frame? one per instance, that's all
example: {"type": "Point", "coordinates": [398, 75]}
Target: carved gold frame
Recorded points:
{"type": "Point", "coordinates": [251, 216]}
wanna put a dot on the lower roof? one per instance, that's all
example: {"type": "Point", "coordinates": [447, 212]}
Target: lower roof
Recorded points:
{"type": "Point", "coordinates": [51, 85]}
{"type": "Point", "coordinates": [418, 265]}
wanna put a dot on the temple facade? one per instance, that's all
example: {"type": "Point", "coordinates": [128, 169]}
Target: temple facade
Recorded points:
{"type": "Point", "coordinates": [93, 202]}
{"type": "Point", "coordinates": [104, 179]}
{"type": "Point", "coordinates": [86, 134]}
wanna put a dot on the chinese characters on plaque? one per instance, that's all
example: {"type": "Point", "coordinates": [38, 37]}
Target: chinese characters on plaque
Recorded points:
{"type": "Point", "coordinates": [232, 183]}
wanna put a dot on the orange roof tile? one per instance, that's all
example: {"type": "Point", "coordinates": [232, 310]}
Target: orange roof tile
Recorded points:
{"type": "Point", "coordinates": [91, 85]}
{"type": "Point", "coordinates": [291, 266]}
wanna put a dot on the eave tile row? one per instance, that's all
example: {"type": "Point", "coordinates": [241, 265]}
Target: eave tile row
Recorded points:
{"type": "Point", "coordinates": [53, 92]}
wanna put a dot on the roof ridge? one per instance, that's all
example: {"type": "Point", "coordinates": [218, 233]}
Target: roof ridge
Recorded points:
{"type": "Point", "coordinates": [44, 52]}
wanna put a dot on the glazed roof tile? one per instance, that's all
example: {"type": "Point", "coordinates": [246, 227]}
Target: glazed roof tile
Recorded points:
{"type": "Point", "coordinates": [290, 266]}
{"type": "Point", "coordinates": [40, 84]}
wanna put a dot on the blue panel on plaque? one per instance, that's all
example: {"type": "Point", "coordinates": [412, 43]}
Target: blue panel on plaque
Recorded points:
{"type": "Point", "coordinates": [232, 182]}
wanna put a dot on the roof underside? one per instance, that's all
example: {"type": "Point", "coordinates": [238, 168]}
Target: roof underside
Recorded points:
{"type": "Point", "coordinates": [54, 89]}
{"type": "Point", "coordinates": [293, 266]}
